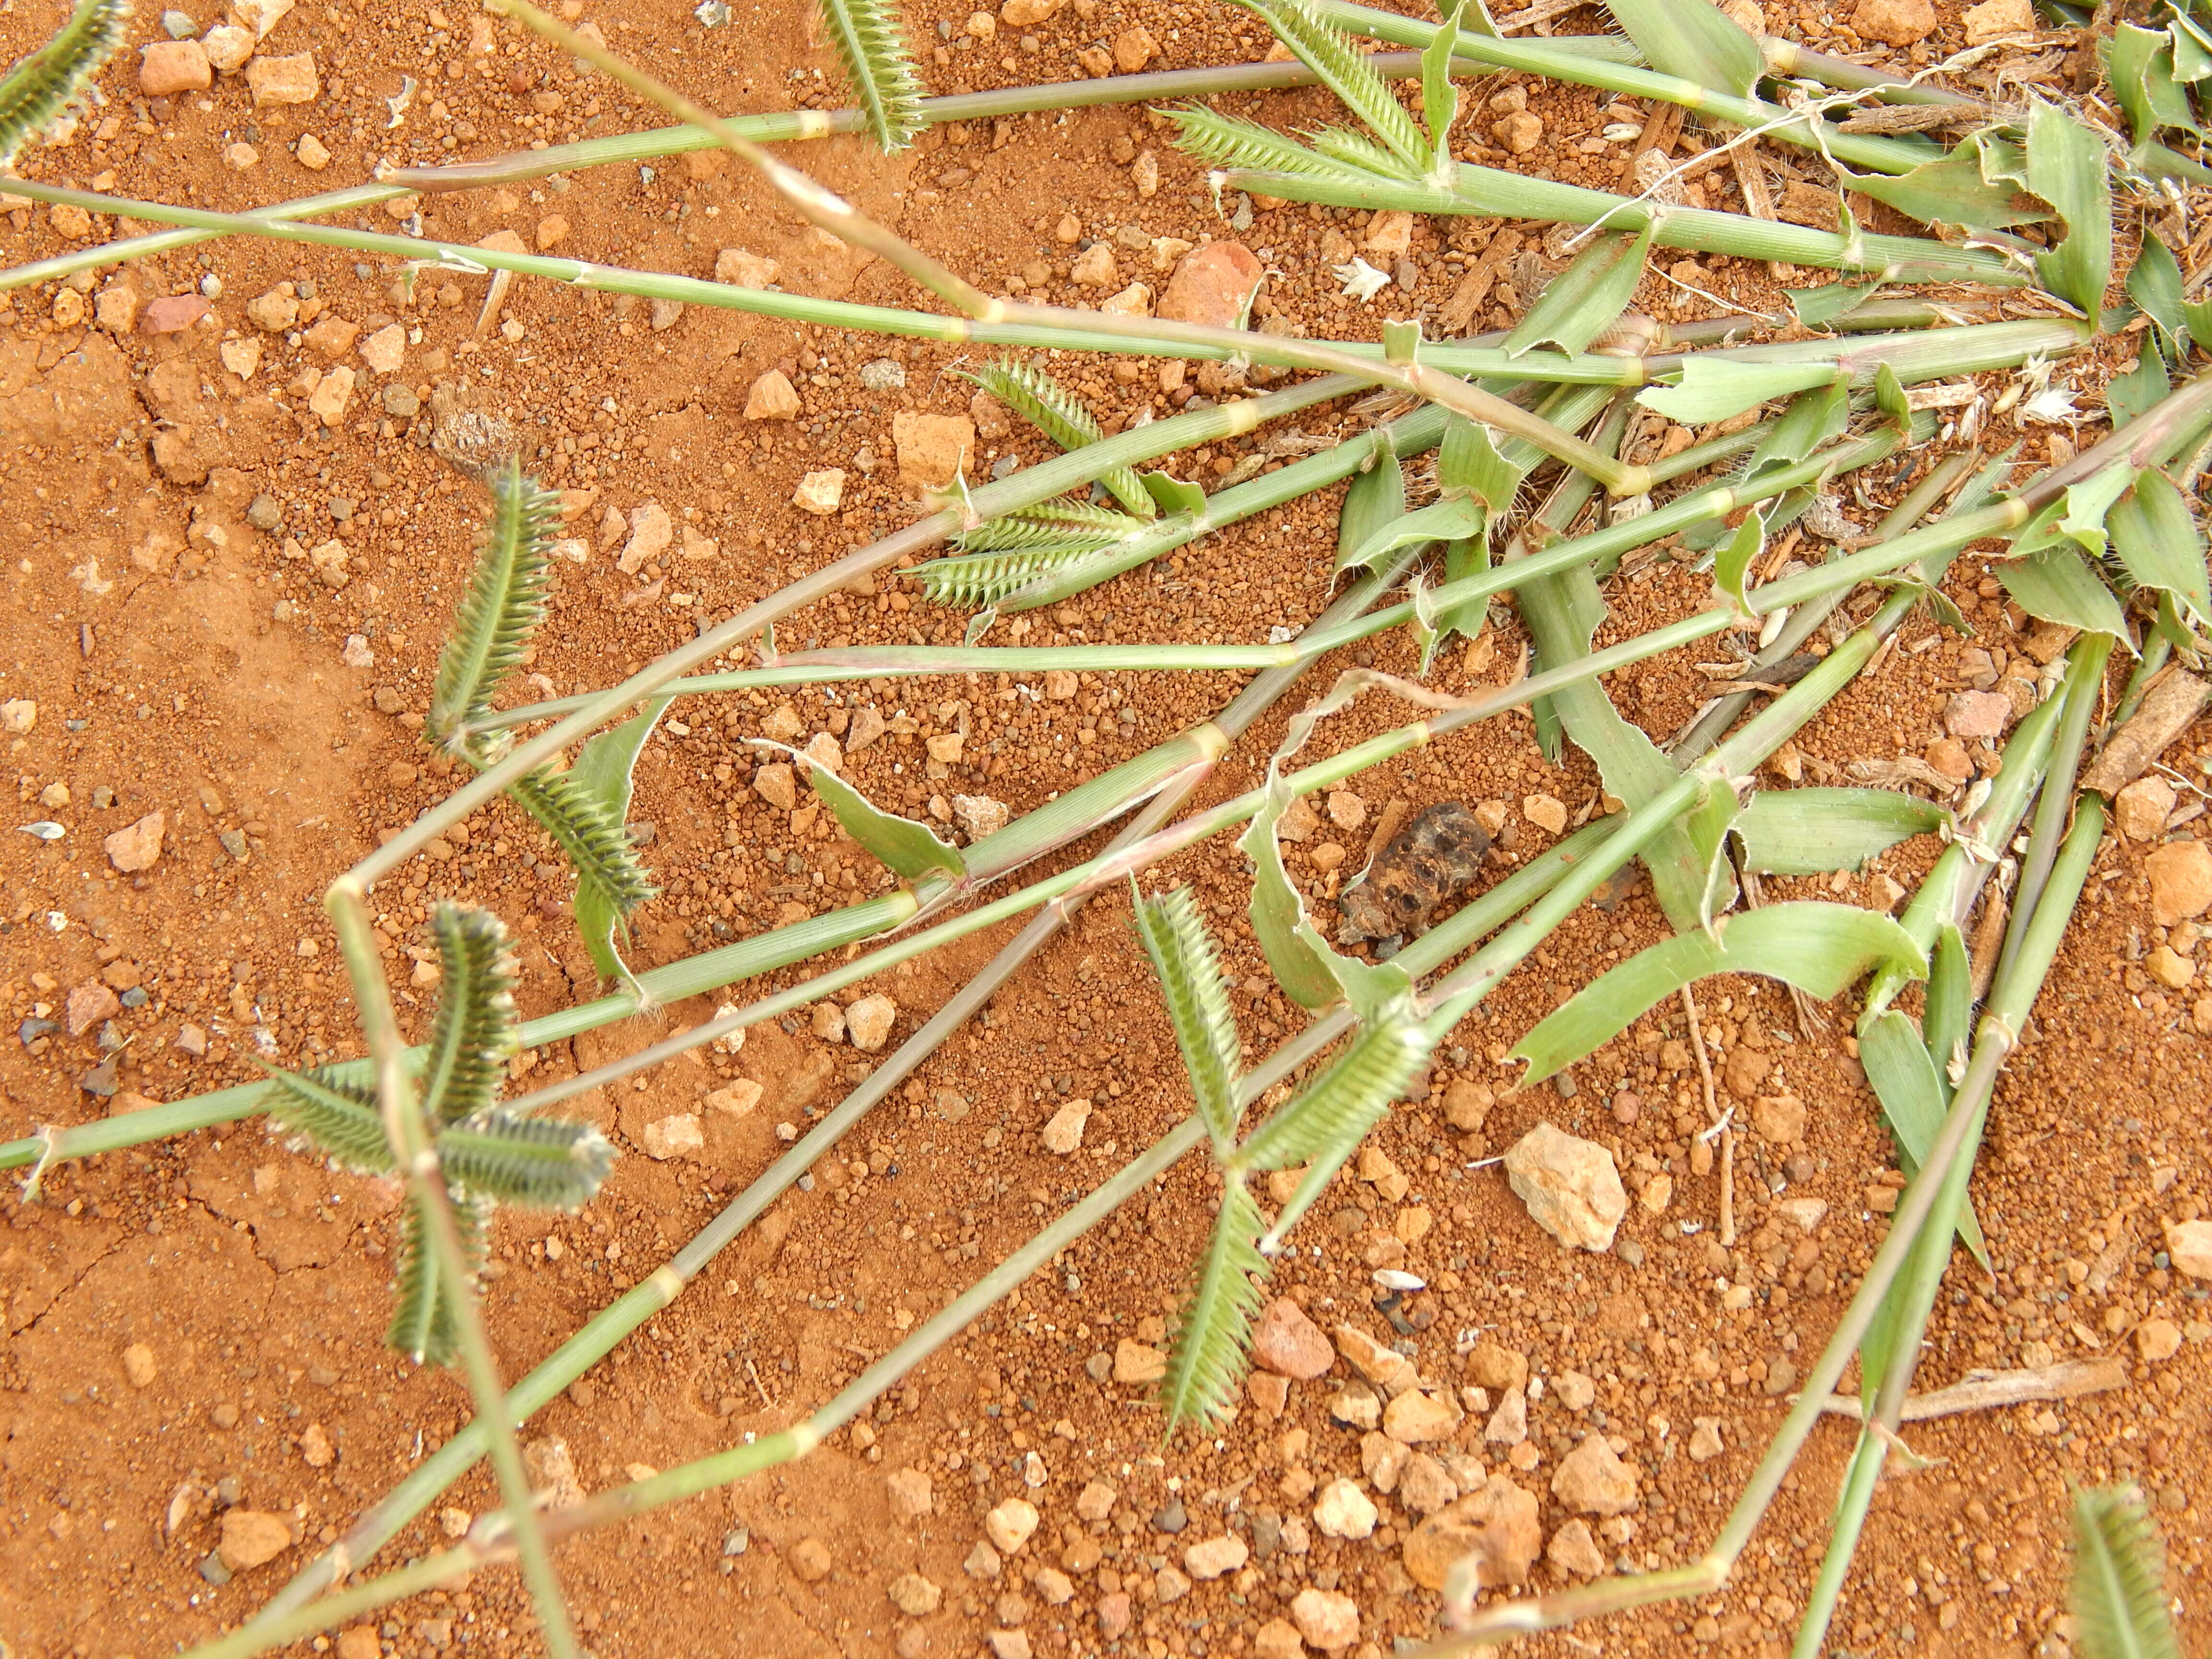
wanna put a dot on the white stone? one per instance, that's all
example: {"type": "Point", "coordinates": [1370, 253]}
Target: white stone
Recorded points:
{"type": "Point", "coordinates": [1343, 1512]}
{"type": "Point", "coordinates": [1571, 1186]}
{"type": "Point", "coordinates": [1328, 1619]}
{"type": "Point", "coordinates": [673, 1137]}
{"type": "Point", "coordinates": [1009, 1526]}
{"type": "Point", "coordinates": [821, 493]}
{"type": "Point", "coordinates": [1063, 1133]}
{"type": "Point", "coordinates": [384, 350]}
{"type": "Point", "coordinates": [868, 1022]}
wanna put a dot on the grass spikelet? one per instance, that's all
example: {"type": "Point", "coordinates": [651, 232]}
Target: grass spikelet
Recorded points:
{"type": "Point", "coordinates": [425, 1325]}
{"type": "Point", "coordinates": [474, 1031]}
{"type": "Point", "coordinates": [1344, 68]}
{"type": "Point", "coordinates": [2119, 1578]}
{"type": "Point", "coordinates": [872, 48]}
{"type": "Point", "coordinates": [595, 841]}
{"type": "Point", "coordinates": [42, 86]}
{"type": "Point", "coordinates": [503, 607]}
{"type": "Point", "coordinates": [1215, 1329]}
{"type": "Point", "coordinates": [1188, 961]}
{"type": "Point", "coordinates": [1059, 414]}
{"type": "Point", "coordinates": [340, 1118]}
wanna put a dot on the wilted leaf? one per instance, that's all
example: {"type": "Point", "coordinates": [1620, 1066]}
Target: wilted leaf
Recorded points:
{"type": "Point", "coordinates": [903, 846]}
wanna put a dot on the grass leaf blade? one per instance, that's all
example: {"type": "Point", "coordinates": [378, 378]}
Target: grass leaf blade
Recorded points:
{"type": "Point", "coordinates": [1692, 38]}
{"type": "Point", "coordinates": [2157, 541]}
{"type": "Point", "coordinates": [1811, 831]}
{"type": "Point", "coordinates": [1817, 948]}
{"type": "Point", "coordinates": [903, 846]}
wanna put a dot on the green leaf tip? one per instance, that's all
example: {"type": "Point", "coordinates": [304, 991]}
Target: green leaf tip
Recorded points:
{"type": "Point", "coordinates": [872, 47]}
{"type": "Point", "coordinates": [503, 607]}
{"type": "Point", "coordinates": [43, 86]}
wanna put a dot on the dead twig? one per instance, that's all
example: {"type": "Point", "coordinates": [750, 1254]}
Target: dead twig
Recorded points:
{"type": "Point", "coordinates": [1979, 1391]}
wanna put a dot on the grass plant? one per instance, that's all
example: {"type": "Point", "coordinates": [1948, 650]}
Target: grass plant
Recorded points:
{"type": "Point", "coordinates": [2104, 542]}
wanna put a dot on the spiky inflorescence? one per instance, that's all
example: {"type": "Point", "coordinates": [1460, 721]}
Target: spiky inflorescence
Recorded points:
{"type": "Point", "coordinates": [474, 1031]}
{"type": "Point", "coordinates": [1353, 150]}
{"type": "Point", "coordinates": [1064, 522]}
{"type": "Point", "coordinates": [1344, 68]}
{"type": "Point", "coordinates": [988, 578]}
{"type": "Point", "coordinates": [873, 48]}
{"type": "Point", "coordinates": [1231, 141]}
{"type": "Point", "coordinates": [1332, 1113]}
{"type": "Point", "coordinates": [1188, 962]}
{"type": "Point", "coordinates": [1215, 1329]}
{"type": "Point", "coordinates": [40, 88]}
{"type": "Point", "coordinates": [542, 1164]}
{"type": "Point", "coordinates": [2119, 1578]}
{"type": "Point", "coordinates": [503, 606]}
{"type": "Point", "coordinates": [1059, 414]}
{"type": "Point", "coordinates": [596, 843]}
{"type": "Point", "coordinates": [339, 1117]}
{"type": "Point", "coordinates": [426, 1323]}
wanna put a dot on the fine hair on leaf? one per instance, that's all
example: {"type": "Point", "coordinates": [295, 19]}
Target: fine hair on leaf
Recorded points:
{"type": "Point", "coordinates": [40, 88]}
{"type": "Point", "coordinates": [1205, 1357]}
{"type": "Point", "coordinates": [474, 1031]}
{"type": "Point", "coordinates": [872, 48]}
{"type": "Point", "coordinates": [2119, 1578]}
{"type": "Point", "coordinates": [1188, 963]}
{"type": "Point", "coordinates": [503, 607]}
{"type": "Point", "coordinates": [1058, 413]}
{"type": "Point", "coordinates": [597, 842]}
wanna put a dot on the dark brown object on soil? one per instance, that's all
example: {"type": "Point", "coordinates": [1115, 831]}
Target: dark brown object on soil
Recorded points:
{"type": "Point", "coordinates": [1435, 858]}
